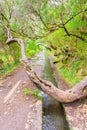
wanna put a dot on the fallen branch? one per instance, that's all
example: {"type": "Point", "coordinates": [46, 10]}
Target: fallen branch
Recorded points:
{"type": "Point", "coordinates": [77, 92]}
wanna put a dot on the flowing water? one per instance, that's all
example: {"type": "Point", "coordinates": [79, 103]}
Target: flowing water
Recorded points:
{"type": "Point", "coordinates": [53, 113]}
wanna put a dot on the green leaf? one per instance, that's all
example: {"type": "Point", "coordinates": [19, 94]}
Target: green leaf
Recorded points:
{"type": "Point", "coordinates": [27, 91]}
{"type": "Point", "coordinates": [63, 8]}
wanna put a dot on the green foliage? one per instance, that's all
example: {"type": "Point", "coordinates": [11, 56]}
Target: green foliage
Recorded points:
{"type": "Point", "coordinates": [50, 14]}
{"type": "Point", "coordinates": [31, 48]}
{"type": "Point", "coordinates": [15, 51]}
{"type": "Point", "coordinates": [27, 91]}
{"type": "Point", "coordinates": [36, 93]}
{"type": "Point", "coordinates": [7, 68]}
{"type": "Point", "coordinates": [70, 128]}
{"type": "Point", "coordinates": [72, 76]}
{"type": "Point", "coordinates": [71, 56]}
{"type": "Point", "coordinates": [9, 61]}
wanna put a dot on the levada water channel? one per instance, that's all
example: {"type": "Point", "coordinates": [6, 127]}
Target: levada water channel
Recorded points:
{"type": "Point", "coordinates": [53, 112]}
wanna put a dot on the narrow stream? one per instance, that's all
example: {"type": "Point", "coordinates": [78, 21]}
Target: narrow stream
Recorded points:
{"type": "Point", "coordinates": [53, 113]}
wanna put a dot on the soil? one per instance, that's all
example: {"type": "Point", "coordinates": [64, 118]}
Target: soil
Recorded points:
{"type": "Point", "coordinates": [20, 112]}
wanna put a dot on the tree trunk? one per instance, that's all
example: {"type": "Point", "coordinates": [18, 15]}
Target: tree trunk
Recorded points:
{"type": "Point", "coordinates": [77, 92]}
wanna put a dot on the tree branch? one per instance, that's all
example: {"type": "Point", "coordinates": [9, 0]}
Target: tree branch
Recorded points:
{"type": "Point", "coordinates": [40, 17]}
{"type": "Point", "coordinates": [74, 16]}
{"type": "Point", "coordinates": [39, 44]}
{"type": "Point", "coordinates": [46, 86]}
{"type": "Point", "coordinates": [74, 35]}
{"type": "Point", "coordinates": [62, 25]}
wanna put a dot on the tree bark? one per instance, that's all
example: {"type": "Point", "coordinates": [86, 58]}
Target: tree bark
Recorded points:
{"type": "Point", "coordinates": [77, 92]}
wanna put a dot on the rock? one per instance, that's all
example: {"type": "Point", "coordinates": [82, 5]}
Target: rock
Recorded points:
{"type": "Point", "coordinates": [26, 126]}
{"type": "Point", "coordinates": [1, 85]}
{"type": "Point", "coordinates": [9, 84]}
{"type": "Point", "coordinates": [24, 82]}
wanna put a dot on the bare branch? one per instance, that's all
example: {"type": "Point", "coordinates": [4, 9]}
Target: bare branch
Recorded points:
{"type": "Point", "coordinates": [74, 35]}
{"type": "Point", "coordinates": [40, 17]}
{"type": "Point", "coordinates": [74, 16]}
{"type": "Point", "coordinates": [39, 44]}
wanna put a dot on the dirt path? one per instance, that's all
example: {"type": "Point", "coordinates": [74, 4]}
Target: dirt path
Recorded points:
{"type": "Point", "coordinates": [20, 111]}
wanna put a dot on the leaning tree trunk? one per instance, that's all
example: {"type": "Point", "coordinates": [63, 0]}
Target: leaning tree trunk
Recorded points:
{"type": "Point", "coordinates": [77, 92]}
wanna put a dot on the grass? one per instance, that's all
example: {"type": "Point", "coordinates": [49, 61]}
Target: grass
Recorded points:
{"type": "Point", "coordinates": [72, 74]}
{"type": "Point", "coordinates": [36, 93]}
{"type": "Point", "coordinates": [8, 68]}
